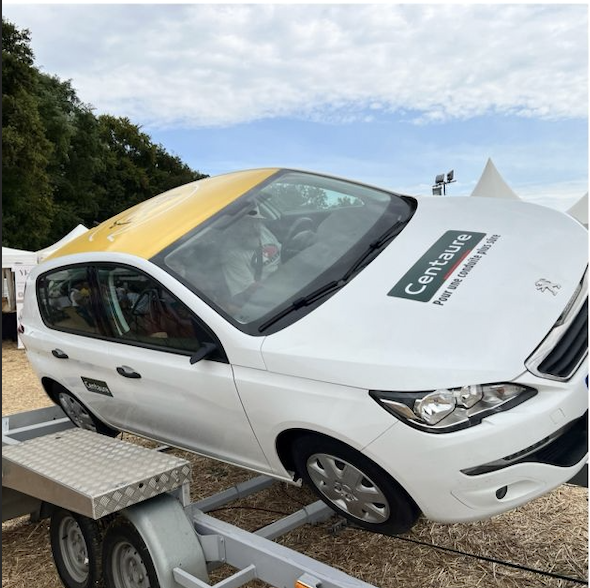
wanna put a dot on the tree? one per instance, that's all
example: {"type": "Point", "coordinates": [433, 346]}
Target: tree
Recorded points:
{"type": "Point", "coordinates": [62, 165]}
{"type": "Point", "coordinates": [298, 196]}
{"type": "Point", "coordinates": [134, 168]}
{"type": "Point", "coordinates": [26, 189]}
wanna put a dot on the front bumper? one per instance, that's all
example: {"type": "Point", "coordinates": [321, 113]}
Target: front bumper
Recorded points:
{"type": "Point", "coordinates": [449, 475]}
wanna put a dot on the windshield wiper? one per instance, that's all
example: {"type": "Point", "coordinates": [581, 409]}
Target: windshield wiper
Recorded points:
{"type": "Point", "coordinates": [335, 285]}
{"type": "Point", "coordinates": [310, 298]}
{"type": "Point", "coordinates": [374, 246]}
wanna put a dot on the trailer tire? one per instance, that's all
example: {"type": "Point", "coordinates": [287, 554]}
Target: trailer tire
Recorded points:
{"type": "Point", "coordinates": [76, 548]}
{"type": "Point", "coordinates": [127, 562]}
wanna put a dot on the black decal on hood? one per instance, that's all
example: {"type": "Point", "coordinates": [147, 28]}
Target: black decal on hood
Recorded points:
{"type": "Point", "coordinates": [434, 268]}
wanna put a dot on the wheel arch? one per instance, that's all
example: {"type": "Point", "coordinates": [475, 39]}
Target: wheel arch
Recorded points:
{"type": "Point", "coordinates": [286, 439]}
{"type": "Point", "coordinates": [169, 537]}
{"type": "Point", "coordinates": [52, 388]}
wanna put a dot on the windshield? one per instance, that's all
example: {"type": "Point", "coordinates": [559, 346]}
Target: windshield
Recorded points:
{"type": "Point", "coordinates": [281, 241]}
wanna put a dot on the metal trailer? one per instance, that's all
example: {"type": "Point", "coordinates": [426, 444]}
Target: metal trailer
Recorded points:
{"type": "Point", "coordinates": [123, 512]}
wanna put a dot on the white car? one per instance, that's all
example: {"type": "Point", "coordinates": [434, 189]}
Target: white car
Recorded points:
{"type": "Point", "coordinates": [398, 354]}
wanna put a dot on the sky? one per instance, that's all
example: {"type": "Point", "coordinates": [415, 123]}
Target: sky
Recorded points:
{"type": "Point", "coordinates": [388, 94]}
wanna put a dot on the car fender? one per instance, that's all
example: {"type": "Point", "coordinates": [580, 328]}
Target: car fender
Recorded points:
{"type": "Point", "coordinates": [276, 403]}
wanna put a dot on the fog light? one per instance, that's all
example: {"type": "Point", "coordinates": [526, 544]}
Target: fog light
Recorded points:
{"type": "Point", "coordinates": [501, 492]}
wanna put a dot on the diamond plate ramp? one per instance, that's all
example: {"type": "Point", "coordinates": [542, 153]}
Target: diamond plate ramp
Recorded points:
{"type": "Point", "coordinates": [88, 473]}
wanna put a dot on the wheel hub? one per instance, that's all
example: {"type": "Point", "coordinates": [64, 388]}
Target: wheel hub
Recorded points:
{"type": "Point", "coordinates": [344, 491]}
{"type": "Point", "coordinates": [73, 548]}
{"type": "Point", "coordinates": [129, 570]}
{"type": "Point", "coordinates": [134, 573]}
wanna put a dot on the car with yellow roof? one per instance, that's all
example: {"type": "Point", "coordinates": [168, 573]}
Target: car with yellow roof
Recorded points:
{"type": "Point", "coordinates": [399, 354]}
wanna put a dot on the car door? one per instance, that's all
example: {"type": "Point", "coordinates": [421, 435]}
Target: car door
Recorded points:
{"type": "Point", "coordinates": [158, 392]}
{"type": "Point", "coordinates": [72, 350]}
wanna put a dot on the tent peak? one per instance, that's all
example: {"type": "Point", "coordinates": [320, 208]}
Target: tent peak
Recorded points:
{"type": "Point", "coordinates": [492, 185]}
{"type": "Point", "coordinates": [579, 210]}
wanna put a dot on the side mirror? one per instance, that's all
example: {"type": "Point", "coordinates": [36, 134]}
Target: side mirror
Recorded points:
{"type": "Point", "coordinates": [204, 351]}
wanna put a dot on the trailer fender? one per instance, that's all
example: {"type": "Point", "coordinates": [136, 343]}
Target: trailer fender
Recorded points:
{"type": "Point", "coordinates": [169, 537]}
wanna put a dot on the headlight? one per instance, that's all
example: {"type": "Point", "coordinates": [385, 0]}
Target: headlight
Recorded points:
{"type": "Point", "coordinates": [446, 410]}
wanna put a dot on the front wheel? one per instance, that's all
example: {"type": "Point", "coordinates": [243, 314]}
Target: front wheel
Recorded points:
{"type": "Point", "coordinates": [354, 486]}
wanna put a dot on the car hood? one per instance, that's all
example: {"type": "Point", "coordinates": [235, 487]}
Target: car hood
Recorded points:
{"type": "Point", "coordinates": [453, 300]}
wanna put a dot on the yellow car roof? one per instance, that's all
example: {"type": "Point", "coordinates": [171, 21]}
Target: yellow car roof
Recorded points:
{"type": "Point", "coordinates": [152, 225]}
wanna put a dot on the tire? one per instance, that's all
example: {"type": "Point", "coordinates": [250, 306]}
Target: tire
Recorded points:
{"type": "Point", "coordinates": [126, 560]}
{"type": "Point", "coordinates": [353, 485]}
{"type": "Point", "coordinates": [76, 545]}
{"type": "Point", "coordinates": [81, 416]}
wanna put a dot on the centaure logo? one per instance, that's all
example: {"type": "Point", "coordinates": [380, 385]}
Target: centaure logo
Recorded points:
{"type": "Point", "coordinates": [97, 386]}
{"type": "Point", "coordinates": [435, 267]}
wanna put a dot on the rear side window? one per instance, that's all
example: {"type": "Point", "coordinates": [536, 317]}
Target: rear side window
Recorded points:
{"type": "Point", "coordinates": [66, 302]}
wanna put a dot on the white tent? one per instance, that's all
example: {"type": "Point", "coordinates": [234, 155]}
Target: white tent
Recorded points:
{"type": "Point", "coordinates": [12, 257]}
{"type": "Point", "coordinates": [75, 232]}
{"type": "Point", "coordinates": [580, 210]}
{"type": "Point", "coordinates": [16, 264]}
{"type": "Point", "coordinates": [492, 185]}
{"type": "Point", "coordinates": [11, 260]}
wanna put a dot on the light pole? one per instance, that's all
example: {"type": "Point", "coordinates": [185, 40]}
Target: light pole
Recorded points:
{"type": "Point", "coordinates": [440, 183]}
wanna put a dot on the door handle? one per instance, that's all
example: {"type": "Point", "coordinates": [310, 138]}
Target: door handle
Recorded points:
{"type": "Point", "coordinates": [59, 354]}
{"type": "Point", "coordinates": [127, 372]}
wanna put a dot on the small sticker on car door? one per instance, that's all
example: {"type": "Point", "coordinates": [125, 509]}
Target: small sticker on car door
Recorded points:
{"type": "Point", "coordinates": [97, 386]}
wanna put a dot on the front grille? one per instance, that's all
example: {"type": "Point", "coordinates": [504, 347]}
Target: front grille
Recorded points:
{"type": "Point", "coordinates": [564, 449]}
{"type": "Point", "coordinates": [570, 349]}
{"type": "Point", "coordinates": [566, 346]}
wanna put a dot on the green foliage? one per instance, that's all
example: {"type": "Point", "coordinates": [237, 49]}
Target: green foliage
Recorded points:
{"type": "Point", "coordinates": [61, 164]}
{"type": "Point", "coordinates": [134, 168]}
{"type": "Point", "coordinates": [298, 196]}
{"type": "Point", "coordinates": [26, 189]}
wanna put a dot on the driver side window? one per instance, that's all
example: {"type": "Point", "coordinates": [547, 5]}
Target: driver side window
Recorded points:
{"type": "Point", "coordinates": [139, 310]}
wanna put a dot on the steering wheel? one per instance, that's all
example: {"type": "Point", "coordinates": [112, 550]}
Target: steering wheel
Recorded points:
{"type": "Point", "coordinates": [299, 236]}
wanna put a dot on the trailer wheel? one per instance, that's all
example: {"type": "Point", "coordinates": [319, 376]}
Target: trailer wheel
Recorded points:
{"type": "Point", "coordinates": [127, 562]}
{"type": "Point", "coordinates": [76, 549]}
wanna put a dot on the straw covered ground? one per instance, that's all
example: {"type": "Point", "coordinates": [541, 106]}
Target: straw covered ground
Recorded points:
{"type": "Point", "coordinates": [549, 534]}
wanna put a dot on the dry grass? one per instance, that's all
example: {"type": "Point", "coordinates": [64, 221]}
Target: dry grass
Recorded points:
{"type": "Point", "coordinates": [548, 534]}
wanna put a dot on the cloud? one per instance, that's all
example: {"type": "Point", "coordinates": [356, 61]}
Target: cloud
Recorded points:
{"type": "Point", "coordinates": [217, 65]}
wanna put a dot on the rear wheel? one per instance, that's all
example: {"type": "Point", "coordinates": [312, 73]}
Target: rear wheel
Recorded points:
{"type": "Point", "coordinates": [81, 416]}
{"type": "Point", "coordinates": [354, 486]}
{"type": "Point", "coordinates": [76, 548]}
{"type": "Point", "coordinates": [126, 560]}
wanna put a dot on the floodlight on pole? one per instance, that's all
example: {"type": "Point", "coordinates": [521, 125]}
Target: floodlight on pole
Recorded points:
{"type": "Point", "coordinates": [440, 183]}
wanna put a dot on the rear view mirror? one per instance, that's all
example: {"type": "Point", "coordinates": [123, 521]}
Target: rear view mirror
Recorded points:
{"type": "Point", "coordinates": [204, 351]}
